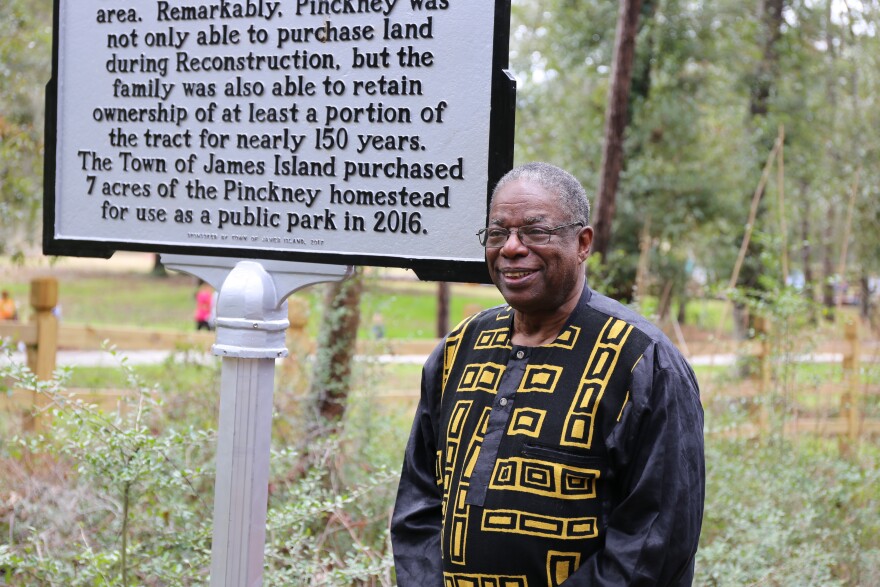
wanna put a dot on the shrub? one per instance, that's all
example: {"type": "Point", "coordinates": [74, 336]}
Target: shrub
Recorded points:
{"type": "Point", "coordinates": [789, 513]}
{"type": "Point", "coordinates": [120, 499]}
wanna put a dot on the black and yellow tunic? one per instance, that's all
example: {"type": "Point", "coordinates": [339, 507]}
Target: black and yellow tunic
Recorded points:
{"type": "Point", "coordinates": [579, 462]}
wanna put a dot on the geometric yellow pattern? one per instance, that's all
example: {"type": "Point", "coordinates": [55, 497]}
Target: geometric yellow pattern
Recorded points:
{"type": "Point", "coordinates": [453, 440]}
{"type": "Point", "coordinates": [560, 566]}
{"type": "Point", "coordinates": [544, 478]}
{"type": "Point", "coordinates": [493, 339]}
{"type": "Point", "coordinates": [567, 338]}
{"type": "Point", "coordinates": [578, 428]}
{"type": "Point", "coordinates": [481, 377]}
{"type": "Point", "coordinates": [460, 510]}
{"type": "Point", "coordinates": [450, 349]}
{"type": "Point", "coordinates": [540, 378]}
{"type": "Point", "coordinates": [516, 522]}
{"type": "Point", "coordinates": [464, 580]}
{"type": "Point", "coordinates": [526, 421]}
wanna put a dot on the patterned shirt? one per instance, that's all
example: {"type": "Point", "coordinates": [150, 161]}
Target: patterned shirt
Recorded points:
{"type": "Point", "coordinates": [579, 462]}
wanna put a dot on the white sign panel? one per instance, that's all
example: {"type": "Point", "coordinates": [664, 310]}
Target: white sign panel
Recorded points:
{"type": "Point", "coordinates": [356, 130]}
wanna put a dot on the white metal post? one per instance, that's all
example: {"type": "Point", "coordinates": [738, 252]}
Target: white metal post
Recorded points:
{"type": "Point", "coordinates": [241, 487]}
{"type": "Point", "coordinates": [251, 326]}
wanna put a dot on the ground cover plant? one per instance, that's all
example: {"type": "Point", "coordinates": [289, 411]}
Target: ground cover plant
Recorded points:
{"type": "Point", "coordinates": [123, 498]}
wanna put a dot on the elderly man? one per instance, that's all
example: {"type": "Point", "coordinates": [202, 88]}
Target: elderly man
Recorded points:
{"type": "Point", "coordinates": [559, 438]}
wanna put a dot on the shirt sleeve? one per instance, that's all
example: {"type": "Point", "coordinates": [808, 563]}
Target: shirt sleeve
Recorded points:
{"type": "Point", "coordinates": [658, 473]}
{"type": "Point", "coordinates": [417, 518]}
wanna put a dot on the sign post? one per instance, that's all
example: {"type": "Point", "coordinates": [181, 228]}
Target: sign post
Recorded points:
{"type": "Point", "coordinates": [251, 325]}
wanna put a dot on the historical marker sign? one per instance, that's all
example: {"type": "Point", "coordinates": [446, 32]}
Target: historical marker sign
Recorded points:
{"type": "Point", "coordinates": [335, 131]}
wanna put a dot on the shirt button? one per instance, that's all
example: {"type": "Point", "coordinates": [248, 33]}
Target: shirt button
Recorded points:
{"type": "Point", "coordinates": [520, 354]}
{"type": "Point", "coordinates": [503, 401]}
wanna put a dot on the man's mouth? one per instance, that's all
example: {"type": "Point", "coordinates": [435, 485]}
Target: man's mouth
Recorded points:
{"type": "Point", "coordinates": [518, 274]}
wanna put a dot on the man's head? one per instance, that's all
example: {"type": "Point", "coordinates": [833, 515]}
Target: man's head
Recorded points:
{"type": "Point", "coordinates": [544, 274]}
{"type": "Point", "coordinates": [572, 196]}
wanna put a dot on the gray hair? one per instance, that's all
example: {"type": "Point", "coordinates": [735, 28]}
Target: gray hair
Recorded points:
{"type": "Point", "coordinates": [571, 193]}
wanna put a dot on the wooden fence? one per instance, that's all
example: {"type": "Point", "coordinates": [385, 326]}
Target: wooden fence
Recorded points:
{"type": "Point", "coordinates": [43, 336]}
{"type": "Point", "coordinates": [845, 419]}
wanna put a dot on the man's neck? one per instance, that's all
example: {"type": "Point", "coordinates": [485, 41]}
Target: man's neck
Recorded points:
{"type": "Point", "coordinates": [539, 329]}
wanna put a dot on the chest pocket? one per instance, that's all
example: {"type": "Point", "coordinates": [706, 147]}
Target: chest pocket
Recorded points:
{"type": "Point", "coordinates": [549, 472]}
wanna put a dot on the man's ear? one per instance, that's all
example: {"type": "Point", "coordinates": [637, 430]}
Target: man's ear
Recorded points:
{"type": "Point", "coordinates": [585, 241]}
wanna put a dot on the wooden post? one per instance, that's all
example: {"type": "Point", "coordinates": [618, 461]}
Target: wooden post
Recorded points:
{"type": "Point", "coordinates": [762, 327]}
{"type": "Point", "coordinates": [850, 401]}
{"type": "Point", "coordinates": [41, 355]}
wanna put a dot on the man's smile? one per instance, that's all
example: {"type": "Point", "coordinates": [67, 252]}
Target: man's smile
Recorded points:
{"type": "Point", "coordinates": [516, 274]}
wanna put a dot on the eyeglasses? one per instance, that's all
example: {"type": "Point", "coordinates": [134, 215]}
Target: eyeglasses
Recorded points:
{"type": "Point", "coordinates": [495, 238]}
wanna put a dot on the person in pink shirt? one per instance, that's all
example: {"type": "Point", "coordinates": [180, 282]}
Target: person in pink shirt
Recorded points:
{"type": "Point", "coordinates": [204, 314]}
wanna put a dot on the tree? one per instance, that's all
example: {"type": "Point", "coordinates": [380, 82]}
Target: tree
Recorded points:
{"type": "Point", "coordinates": [616, 118]}
{"type": "Point", "coordinates": [337, 340]}
{"type": "Point", "coordinates": [683, 143]}
{"type": "Point", "coordinates": [25, 49]}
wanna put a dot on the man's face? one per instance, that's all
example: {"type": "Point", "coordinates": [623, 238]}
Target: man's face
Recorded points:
{"type": "Point", "coordinates": [539, 278]}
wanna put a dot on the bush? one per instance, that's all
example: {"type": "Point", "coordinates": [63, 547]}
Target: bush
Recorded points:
{"type": "Point", "coordinates": [789, 513]}
{"type": "Point", "coordinates": [120, 499]}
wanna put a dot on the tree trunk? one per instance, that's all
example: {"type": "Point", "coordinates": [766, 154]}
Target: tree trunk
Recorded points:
{"type": "Point", "coordinates": [442, 309]}
{"type": "Point", "coordinates": [766, 72]}
{"type": "Point", "coordinates": [760, 90]}
{"type": "Point", "coordinates": [336, 347]}
{"type": "Point", "coordinates": [864, 296]}
{"type": "Point", "coordinates": [809, 280]}
{"type": "Point", "coordinates": [158, 269]}
{"type": "Point", "coordinates": [615, 123]}
{"type": "Point", "coordinates": [681, 317]}
{"type": "Point", "coordinates": [828, 278]}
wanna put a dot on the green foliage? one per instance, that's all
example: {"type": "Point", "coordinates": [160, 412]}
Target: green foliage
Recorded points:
{"type": "Point", "coordinates": [789, 514]}
{"type": "Point", "coordinates": [694, 151]}
{"type": "Point", "coordinates": [106, 499]}
{"type": "Point", "coordinates": [320, 531]}
{"type": "Point", "coordinates": [116, 499]}
{"type": "Point", "coordinates": [121, 498]}
{"type": "Point", "coordinates": [25, 47]}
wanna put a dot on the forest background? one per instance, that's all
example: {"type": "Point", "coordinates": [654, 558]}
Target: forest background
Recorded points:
{"type": "Point", "coordinates": [743, 119]}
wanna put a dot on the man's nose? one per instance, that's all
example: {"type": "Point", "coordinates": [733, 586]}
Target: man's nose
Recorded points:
{"type": "Point", "coordinates": [514, 246]}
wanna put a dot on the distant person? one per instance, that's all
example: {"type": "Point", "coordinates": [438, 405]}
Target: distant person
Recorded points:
{"type": "Point", "coordinates": [8, 309]}
{"type": "Point", "coordinates": [204, 313]}
{"type": "Point", "coordinates": [378, 326]}
{"type": "Point", "coordinates": [558, 441]}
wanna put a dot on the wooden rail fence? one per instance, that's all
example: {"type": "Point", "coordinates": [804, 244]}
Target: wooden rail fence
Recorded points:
{"type": "Point", "coordinates": [847, 421]}
{"type": "Point", "coordinates": [43, 336]}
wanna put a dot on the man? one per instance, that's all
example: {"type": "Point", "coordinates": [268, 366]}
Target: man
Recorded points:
{"type": "Point", "coordinates": [559, 438]}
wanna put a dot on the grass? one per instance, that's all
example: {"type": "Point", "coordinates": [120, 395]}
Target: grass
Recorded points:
{"type": "Point", "coordinates": [129, 300]}
{"type": "Point", "coordinates": [407, 310]}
